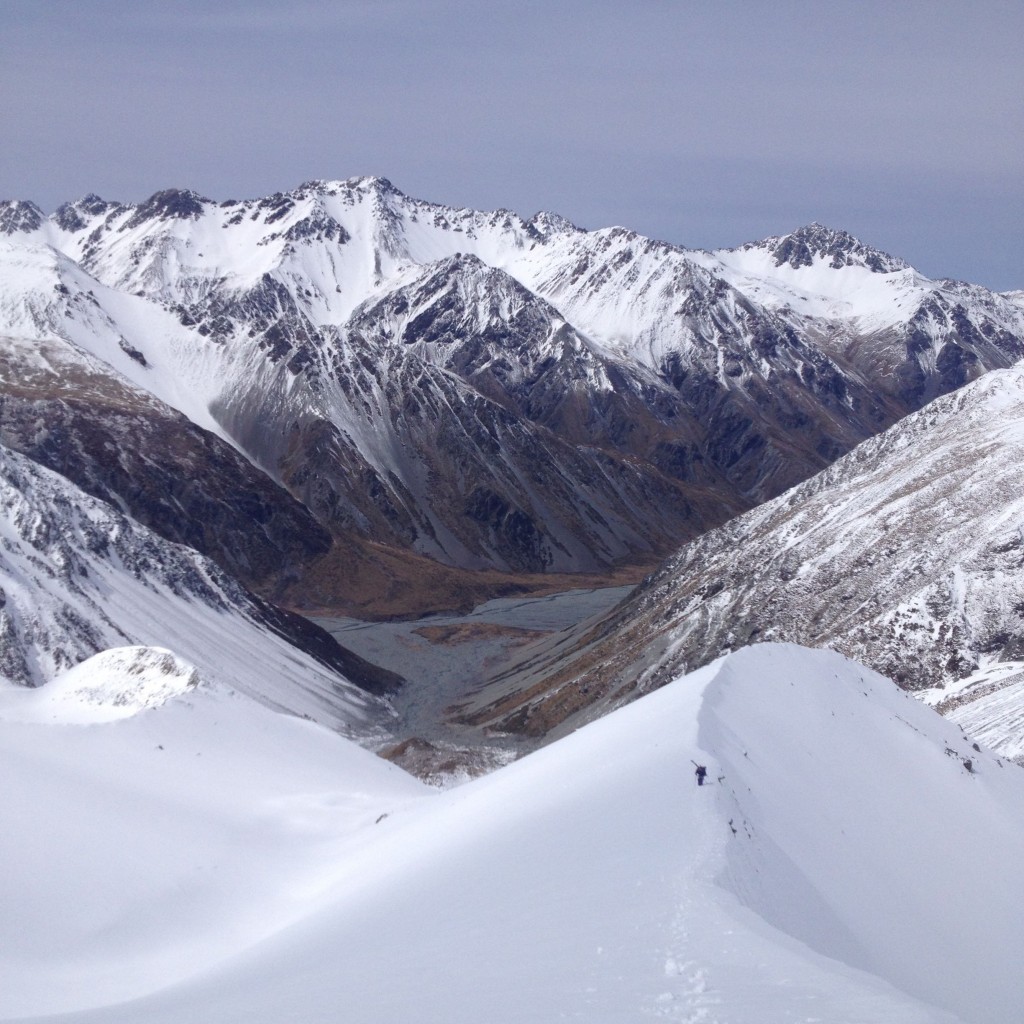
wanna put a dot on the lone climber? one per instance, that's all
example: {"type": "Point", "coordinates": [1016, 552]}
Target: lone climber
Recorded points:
{"type": "Point", "coordinates": [700, 773]}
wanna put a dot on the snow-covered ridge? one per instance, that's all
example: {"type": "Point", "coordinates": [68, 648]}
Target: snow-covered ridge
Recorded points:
{"type": "Point", "coordinates": [341, 242]}
{"type": "Point", "coordinates": [852, 859]}
{"type": "Point", "coordinates": [176, 240]}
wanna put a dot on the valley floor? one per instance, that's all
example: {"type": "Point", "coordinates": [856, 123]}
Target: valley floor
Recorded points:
{"type": "Point", "coordinates": [445, 658]}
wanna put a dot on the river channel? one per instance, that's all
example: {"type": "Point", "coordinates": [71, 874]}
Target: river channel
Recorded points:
{"type": "Point", "coordinates": [444, 658]}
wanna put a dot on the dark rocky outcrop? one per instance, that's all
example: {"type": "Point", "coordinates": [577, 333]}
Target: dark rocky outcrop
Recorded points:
{"type": "Point", "coordinates": [184, 483]}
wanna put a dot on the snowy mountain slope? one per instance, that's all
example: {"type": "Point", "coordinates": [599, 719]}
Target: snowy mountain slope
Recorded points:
{"type": "Point", "coordinates": [912, 337]}
{"type": "Point", "coordinates": [77, 416]}
{"type": "Point", "coordinates": [905, 554]}
{"type": "Point", "coordinates": [327, 330]}
{"type": "Point", "coordinates": [861, 316]}
{"type": "Point", "coordinates": [47, 295]}
{"type": "Point", "coordinates": [81, 381]}
{"type": "Point", "coordinates": [771, 403]}
{"type": "Point", "coordinates": [505, 413]}
{"type": "Point", "coordinates": [79, 577]}
{"type": "Point", "coordinates": [811, 881]}
{"type": "Point", "coordinates": [321, 420]}
{"type": "Point", "coordinates": [143, 844]}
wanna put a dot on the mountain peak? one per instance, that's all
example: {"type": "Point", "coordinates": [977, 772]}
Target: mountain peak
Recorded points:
{"type": "Point", "coordinates": [371, 183]}
{"type": "Point", "coordinates": [169, 204]}
{"type": "Point", "coordinates": [19, 215]}
{"type": "Point", "coordinates": [546, 223]}
{"type": "Point", "coordinates": [74, 216]}
{"type": "Point", "coordinates": [814, 241]}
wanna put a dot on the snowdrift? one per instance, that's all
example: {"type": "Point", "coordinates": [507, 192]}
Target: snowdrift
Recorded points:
{"type": "Point", "coordinates": [853, 859]}
{"type": "Point", "coordinates": [113, 684]}
{"type": "Point", "coordinates": [138, 850]}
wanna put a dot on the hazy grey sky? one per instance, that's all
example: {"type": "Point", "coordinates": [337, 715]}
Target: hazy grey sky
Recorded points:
{"type": "Point", "coordinates": [704, 123]}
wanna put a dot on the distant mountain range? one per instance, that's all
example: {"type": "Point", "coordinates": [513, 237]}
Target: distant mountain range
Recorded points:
{"type": "Point", "coordinates": [354, 401]}
{"type": "Point", "coordinates": [422, 394]}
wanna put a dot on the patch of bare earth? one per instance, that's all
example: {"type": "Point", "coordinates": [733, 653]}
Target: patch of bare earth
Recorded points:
{"type": "Point", "coordinates": [441, 764]}
{"type": "Point", "coordinates": [467, 632]}
{"type": "Point", "coordinates": [371, 581]}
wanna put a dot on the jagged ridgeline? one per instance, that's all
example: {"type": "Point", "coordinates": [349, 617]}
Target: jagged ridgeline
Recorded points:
{"type": "Point", "coordinates": [354, 399]}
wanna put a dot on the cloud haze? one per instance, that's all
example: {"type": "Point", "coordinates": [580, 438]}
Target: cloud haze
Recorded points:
{"type": "Point", "coordinates": [703, 123]}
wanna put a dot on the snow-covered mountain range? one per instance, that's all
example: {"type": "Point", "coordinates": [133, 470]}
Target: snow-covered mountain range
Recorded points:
{"type": "Point", "coordinates": [351, 399]}
{"type": "Point", "coordinates": [483, 390]}
{"type": "Point", "coordinates": [342, 398]}
{"type": "Point", "coordinates": [854, 860]}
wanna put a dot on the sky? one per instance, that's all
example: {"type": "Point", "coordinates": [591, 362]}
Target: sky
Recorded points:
{"type": "Point", "coordinates": [706, 123]}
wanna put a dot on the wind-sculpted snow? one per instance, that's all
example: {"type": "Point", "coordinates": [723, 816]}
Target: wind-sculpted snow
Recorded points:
{"type": "Point", "coordinates": [324, 330]}
{"type": "Point", "coordinates": [80, 577]}
{"type": "Point", "coordinates": [141, 849]}
{"type": "Point", "coordinates": [852, 859]}
{"type": "Point", "coordinates": [854, 821]}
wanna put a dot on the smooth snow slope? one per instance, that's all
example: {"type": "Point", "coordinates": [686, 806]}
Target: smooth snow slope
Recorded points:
{"type": "Point", "coordinates": [135, 851]}
{"type": "Point", "coordinates": [846, 866]}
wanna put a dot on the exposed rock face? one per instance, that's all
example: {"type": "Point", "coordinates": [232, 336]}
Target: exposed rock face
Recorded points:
{"type": "Point", "coordinates": [19, 216]}
{"type": "Point", "coordinates": [183, 204]}
{"type": "Point", "coordinates": [81, 577]}
{"type": "Point", "coordinates": [492, 393]}
{"type": "Point", "coordinates": [815, 242]}
{"type": "Point", "coordinates": [906, 555]}
{"type": "Point", "coordinates": [74, 415]}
